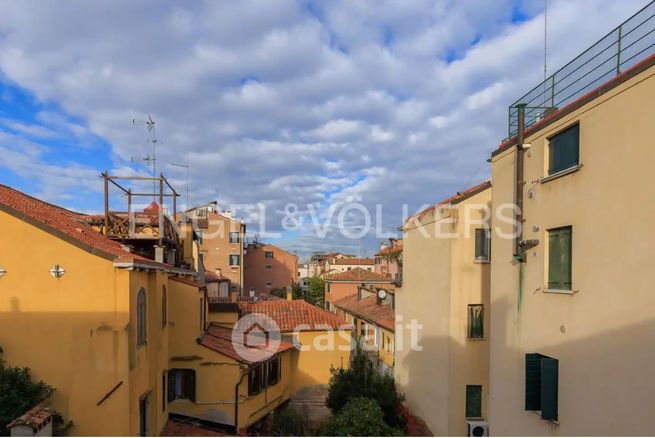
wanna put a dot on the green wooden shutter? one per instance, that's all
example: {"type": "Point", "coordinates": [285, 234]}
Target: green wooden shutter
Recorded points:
{"type": "Point", "coordinates": [533, 381]}
{"type": "Point", "coordinates": [473, 401]}
{"type": "Point", "coordinates": [191, 376]}
{"type": "Point", "coordinates": [560, 258]}
{"type": "Point", "coordinates": [549, 384]}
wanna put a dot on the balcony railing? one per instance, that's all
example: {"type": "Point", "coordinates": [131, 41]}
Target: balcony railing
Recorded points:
{"type": "Point", "coordinates": [622, 48]}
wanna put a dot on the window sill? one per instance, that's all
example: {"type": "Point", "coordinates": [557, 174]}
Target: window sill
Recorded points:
{"type": "Point", "coordinates": [561, 173]}
{"type": "Point", "coordinates": [558, 291]}
{"type": "Point", "coordinates": [482, 262]}
{"type": "Point", "coordinates": [475, 339]}
{"type": "Point", "coordinates": [555, 422]}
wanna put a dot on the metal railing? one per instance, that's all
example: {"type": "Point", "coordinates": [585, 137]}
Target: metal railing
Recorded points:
{"type": "Point", "coordinates": [622, 48]}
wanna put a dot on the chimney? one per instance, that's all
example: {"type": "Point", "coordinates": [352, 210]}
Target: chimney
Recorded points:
{"type": "Point", "coordinates": [160, 253]}
{"type": "Point", "coordinates": [289, 294]}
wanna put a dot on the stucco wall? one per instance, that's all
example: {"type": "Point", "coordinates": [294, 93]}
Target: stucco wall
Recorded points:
{"type": "Point", "coordinates": [604, 334]}
{"type": "Point", "coordinates": [283, 272]}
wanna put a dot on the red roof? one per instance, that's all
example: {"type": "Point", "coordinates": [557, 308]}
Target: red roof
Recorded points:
{"type": "Point", "coordinates": [359, 275]}
{"type": "Point", "coordinates": [35, 418]}
{"type": "Point", "coordinates": [457, 197]}
{"type": "Point", "coordinates": [220, 340]}
{"type": "Point", "coordinates": [391, 249]}
{"type": "Point", "coordinates": [66, 224]}
{"type": "Point", "coordinates": [295, 314]}
{"type": "Point", "coordinates": [369, 310]}
{"type": "Point", "coordinates": [353, 262]}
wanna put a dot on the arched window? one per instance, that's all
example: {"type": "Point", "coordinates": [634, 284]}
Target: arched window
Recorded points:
{"type": "Point", "coordinates": [164, 310]}
{"type": "Point", "coordinates": [141, 317]}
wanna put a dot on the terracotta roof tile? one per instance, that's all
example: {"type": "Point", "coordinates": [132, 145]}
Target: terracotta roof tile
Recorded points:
{"type": "Point", "coordinates": [220, 340]}
{"type": "Point", "coordinates": [64, 223]}
{"type": "Point", "coordinates": [353, 262]}
{"type": "Point", "coordinates": [359, 275]}
{"type": "Point", "coordinates": [368, 309]}
{"type": "Point", "coordinates": [289, 315]}
{"type": "Point", "coordinates": [36, 418]}
{"type": "Point", "coordinates": [390, 250]}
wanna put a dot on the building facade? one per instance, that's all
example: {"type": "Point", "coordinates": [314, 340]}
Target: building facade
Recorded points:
{"type": "Point", "coordinates": [445, 288]}
{"type": "Point", "coordinates": [343, 284]}
{"type": "Point", "coordinates": [388, 261]}
{"type": "Point", "coordinates": [268, 267]}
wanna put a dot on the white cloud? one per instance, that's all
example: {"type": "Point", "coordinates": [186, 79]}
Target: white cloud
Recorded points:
{"type": "Point", "coordinates": [285, 101]}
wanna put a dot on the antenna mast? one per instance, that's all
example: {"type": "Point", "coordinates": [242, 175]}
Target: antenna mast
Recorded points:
{"type": "Point", "coordinates": [149, 160]}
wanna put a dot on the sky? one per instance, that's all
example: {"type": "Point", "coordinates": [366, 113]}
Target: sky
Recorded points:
{"type": "Point", "coordinates": [303, 117]}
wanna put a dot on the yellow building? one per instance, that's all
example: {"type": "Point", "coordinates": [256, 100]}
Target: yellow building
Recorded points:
{"type": "Point", "coordinates": [86, 315]}
{"type": "Point", "coordinates": [446, 290]}
{"type": "Point", "coordinates": [371, 313]}
{"type": "Point", "coordinates": [573, 331]}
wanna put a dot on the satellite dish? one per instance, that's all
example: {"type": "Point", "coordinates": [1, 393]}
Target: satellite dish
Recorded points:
{"type": "Point", "coordinates": [382, 294]}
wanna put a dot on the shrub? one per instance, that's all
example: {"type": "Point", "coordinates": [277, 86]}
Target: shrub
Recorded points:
{"type": "Point", "coordinates": [361, 416]}
{"type": "Point", "coordinates": [19, 394]}
{"type": "Point", "coordinates": [290, 421]}
{"type": "Point", "coordinates": [363, 380]}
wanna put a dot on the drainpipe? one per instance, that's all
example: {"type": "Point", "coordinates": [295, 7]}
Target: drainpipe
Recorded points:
{"type": "Point", "coordinates": [518, 191]}
{"type": "Point", "coordinates": [236, 404]}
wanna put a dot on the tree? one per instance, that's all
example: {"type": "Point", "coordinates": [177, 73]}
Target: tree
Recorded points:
{"type": "Point", "coordinates": [363, 380]}
{"type": "Point", "coordinates": [361, 416]}
{"type": "Point", "coordinates": [316, 293]}
{"type": "Point", "coordinates": [19, 394]}
{"type": "Point", "coordinates": [290, 421]}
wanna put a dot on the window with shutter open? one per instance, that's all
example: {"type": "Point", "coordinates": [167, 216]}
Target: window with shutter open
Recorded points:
{"type": "Point", "coordinates": [482, 245]}
{"type": "Point", "coordinates": [560, 251]}
{"type": "Point", "coordinates": [541, 385]}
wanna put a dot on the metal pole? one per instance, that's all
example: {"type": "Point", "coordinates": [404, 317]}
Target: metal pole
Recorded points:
{"type": "Point", "coordinates": [106, 177]}
{"type": "Point", "coordinates": [518, 230]}
{"type": "Point", "coordinates": [618, 52]}
{"type": "Point", "coordinates": [161, 210]}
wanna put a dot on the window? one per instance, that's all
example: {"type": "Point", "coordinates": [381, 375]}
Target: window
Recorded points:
{"type": "Point", "coordinates": [234, 237]}
{"type": "Point", "coordinates": [201, 314]}
{"type": "Point", "coordinates": [560, 246]}
{"type": "Point", "coordinates": [163, 391]}
{"type": "Point", "coordinates": [475, 321]}
{"type": "Point", "coordinates": [482, 245]}
{"type": "Point", "coordinates": [268, 267]}
{"type": "Point", "coordinates": [269, 284]}
{"type": "Point", "coordinates": [234, 259]}
{"type": "Point", "coordinates": [273, 371]}
{"type": "Point", "coordinates": [181, 385]}
{"type": "Point", "coordinates": [164, 308]}
{"type": "Point", "coordinates": [329, 288]}
{"type": "Point", "coordinates": [255, 380]}
{"type": "Point", "coordinates": [473, 401]}
{"type": "Point", "coordinates": [363, 330]}
{"type": "Point", "coordinates": [199, 234]}
{"type": "Point", "coordinates": [541, 382]}
{"type": "Point", "coordinates": [143, 416]}
{"type": "Point", "coordinates": [141, 317]}
{"type": "Point", "coordinates": [268, 254]}
{"type": "Point", "coordinates": [564, 150]}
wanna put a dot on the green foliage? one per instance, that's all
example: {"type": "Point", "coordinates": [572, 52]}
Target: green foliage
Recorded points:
{"type": "Point", "coordinates": [19, 394]}
{"type": "Point", "coordinates": [296, 290]}
{"type": "Point", "coordinates": [361, 416]}
{"type": "Point", "coordinates": [316, 293]}
{"type": "Point", "coordinates": [290, 421]}
{"type": "Point", "coordinates": [363, 380]}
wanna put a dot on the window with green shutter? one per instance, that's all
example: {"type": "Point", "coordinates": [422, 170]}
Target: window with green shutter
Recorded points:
{"type": "Point", "coordinates": [541, 385]}
{"type": "Point", "coordinates": [473, 401]}
{"type": "Point", "coordinates": [564, 150]}
{"type": "Point", "coordinates": [560, 248]}
{"type": "Point", "coordinates": [475, 321]}
{"type": "Point", "coordinates": [482, 244]}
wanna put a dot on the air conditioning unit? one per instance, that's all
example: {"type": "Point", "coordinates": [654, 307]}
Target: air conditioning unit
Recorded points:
{"type": "Point", "coordinates": [477, 428]}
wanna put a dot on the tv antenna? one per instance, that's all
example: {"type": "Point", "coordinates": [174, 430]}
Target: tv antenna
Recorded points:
{"type": "Point", "coordinates": [149, 160]}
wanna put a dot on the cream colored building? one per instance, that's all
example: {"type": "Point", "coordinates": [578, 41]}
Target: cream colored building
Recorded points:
{"type": "Point", "coordinates": [446, 290]}
{"type": "Point", "coordinates": [573, 326]}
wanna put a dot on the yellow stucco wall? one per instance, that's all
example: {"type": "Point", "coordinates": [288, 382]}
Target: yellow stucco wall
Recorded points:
{"type": "Point", "coordinates": [71, 332]}
{"type": "Point", "coordinates": [440, 279]}
{"type": "Point", "coordinates": [604, 335]}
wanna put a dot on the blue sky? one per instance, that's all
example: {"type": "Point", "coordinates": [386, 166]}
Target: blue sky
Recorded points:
{"type": "Point", "coordinates": [316, 103]}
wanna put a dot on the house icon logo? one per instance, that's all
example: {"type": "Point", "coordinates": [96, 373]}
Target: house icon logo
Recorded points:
{"type": "Point", "coordinates": [256, 337]}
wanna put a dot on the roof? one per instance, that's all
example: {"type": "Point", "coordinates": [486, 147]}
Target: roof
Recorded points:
{"type": "Point", "coordinates": [244, 299]}
{"type": "Point", "coordinates": [368, 309]}
{"type": "Point", "coordinates": [65, 224]}
{"type": "Point", "coordinates": [220, 340]}
{"type": "Point", "coordinates": [36, 418]}
{"type": "Point", "coordinates": [455, 199]}
{"type": "Point", "coordinates": [359, 275]}
{"type": "Point", "coordinates": [211, 277]}
{"type": "Point", "coordinates": [259, 245]}
{"type": "Point", "coordinates": [295, 314]}
{"type": "Point", "coordinates": [391, 249]}
{"type": "Point", "coordinates": [353, 262]}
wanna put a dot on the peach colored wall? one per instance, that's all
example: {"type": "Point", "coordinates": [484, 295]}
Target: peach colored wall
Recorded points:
{"type": "Point", "coordinates": [283, 272]}
{"type": "Point", "coordinates": [385, 267]}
